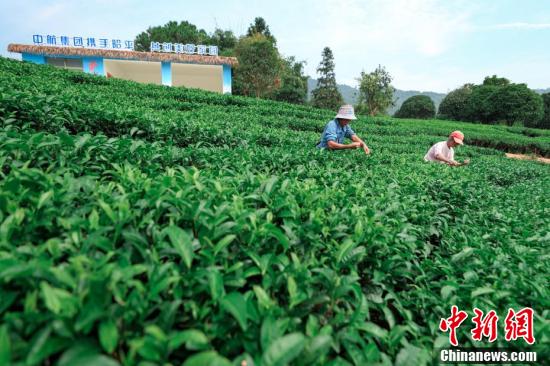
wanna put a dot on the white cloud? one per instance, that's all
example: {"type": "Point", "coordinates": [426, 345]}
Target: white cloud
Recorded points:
{"type": "Point", "coordinates": [518, 26]}
{"type": "Point", "coordinates": [423, 27]}
{"type": "Point", "coordinates": [402, 35]}
{"type": "Point", "coordinates": [442, 78]}
{"type": "Point", "coordinates": [52, 10]}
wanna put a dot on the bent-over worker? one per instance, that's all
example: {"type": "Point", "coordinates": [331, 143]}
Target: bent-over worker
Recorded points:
{"type": "Point", "coordinates": [338, 129]}
{"type": "Point", "coordinates": [443, 151]}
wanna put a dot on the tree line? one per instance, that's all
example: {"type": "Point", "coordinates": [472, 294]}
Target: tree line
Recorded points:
{"type": "Point", "coordinates": [263, 72]}
{"type": "Point", "coordinates": [497, 100]}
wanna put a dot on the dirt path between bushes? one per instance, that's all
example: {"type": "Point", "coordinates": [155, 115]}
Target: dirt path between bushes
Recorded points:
{"type": "Point", "coordinates": [528, 157]}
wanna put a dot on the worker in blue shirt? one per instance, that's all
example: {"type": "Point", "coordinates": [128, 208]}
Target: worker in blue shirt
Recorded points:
{"type": "Point", "coordinates": [338, 129]}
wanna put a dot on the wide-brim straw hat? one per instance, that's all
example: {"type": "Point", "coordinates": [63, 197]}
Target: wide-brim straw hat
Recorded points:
{"type": "Point", "coordinates": [346, 112]}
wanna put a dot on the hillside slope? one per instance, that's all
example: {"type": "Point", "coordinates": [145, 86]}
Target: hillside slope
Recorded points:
{"type": "Point", "coordinates": [142, 224]}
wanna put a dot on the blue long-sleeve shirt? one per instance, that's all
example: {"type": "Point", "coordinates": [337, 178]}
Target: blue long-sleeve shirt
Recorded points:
{"type": "Point", "coordinates": [334, 132]}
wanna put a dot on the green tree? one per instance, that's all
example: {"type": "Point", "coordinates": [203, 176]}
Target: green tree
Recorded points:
{"type": "Point", "coordinates": [454, 105]}
{"type": "Point", "coordinates": [376, 91]}
{"type": "Point", "coordinates": [499, 101]}
{"type": "Point", "coordinates": [480, 106]}
{"type": "Point", "coordinates": [293, 86]}
{"type": "Point", "coordinates": [259, 26]}
{"type": "Point", "coordinates": [183, 32]}
{"type": "Point", "coordinates": [517, 103]}
{"type": "Point", "coordinates": [225, 40]}
{"type": "Point", "coordinates": [545, 121]}
{"type": "Point", "coordinates": [362, 109]}
{"type": "Point", "coordinates": [495, 81]}
{"type": "Point", "coordinates": [417, 106]}
{"type": "Point", "coordinates": [326, 94]}
{"type": "Point", "coordinates": [259, 66]}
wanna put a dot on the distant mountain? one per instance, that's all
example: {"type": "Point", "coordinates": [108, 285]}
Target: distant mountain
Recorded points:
{"type": "Point", "coordinates": [351, 95]}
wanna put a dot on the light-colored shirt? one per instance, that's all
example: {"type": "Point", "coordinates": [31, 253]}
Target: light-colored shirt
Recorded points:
{"type": "Point", "coordinates": [442, 149]}
{"type": "Point", "coordinates": [335, 132]}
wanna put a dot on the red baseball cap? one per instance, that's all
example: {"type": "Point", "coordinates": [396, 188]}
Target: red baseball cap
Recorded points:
{"type": "Point", "coordinates": [458, 137]}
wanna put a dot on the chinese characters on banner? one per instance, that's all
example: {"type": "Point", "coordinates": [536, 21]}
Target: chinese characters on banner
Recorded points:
{"type": "Point", "coordinates": [189, 48]}
{"type": "Point", "coordinates": [90, 42]}
{"type": "Point", "coordinates": [516, 325]}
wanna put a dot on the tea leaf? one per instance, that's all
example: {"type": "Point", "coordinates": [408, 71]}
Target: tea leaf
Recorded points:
{"type": "Point", "coordinates": [192, 338]}
{"type": "Point", "coordinates": [224, 243]}
{"type": "Point", "coordinates": [215, 282]}
{"type": "Point", "coordinates": [284, 349]}
{"type": "Point", "coordinates": [207, 358]}
{"type": "Point", "coordinates": [263, 298]}
{"type": "Point", "coordinates": [182, 242]}
{"type": "Point", "coordinates": [108, 335]}
{"type": "Point", "coordinates": [5, 346]}
{"type": "Point", "coordinates": [235, 304]}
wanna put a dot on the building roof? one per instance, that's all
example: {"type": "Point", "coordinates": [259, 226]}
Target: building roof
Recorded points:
{"type": "Point", "coordinates": [122, 54]}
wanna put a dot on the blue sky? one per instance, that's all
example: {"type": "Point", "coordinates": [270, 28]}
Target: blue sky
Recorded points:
{"type": "Point", "coordinates": [427, 45]}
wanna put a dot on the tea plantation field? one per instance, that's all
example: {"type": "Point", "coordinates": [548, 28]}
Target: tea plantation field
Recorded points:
{"type": "Point", "coordinates": [148, 225]}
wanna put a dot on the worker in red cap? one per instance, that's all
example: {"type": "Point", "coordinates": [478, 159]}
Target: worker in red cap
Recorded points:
{"type": "Point", "coordinates": [443, 151]}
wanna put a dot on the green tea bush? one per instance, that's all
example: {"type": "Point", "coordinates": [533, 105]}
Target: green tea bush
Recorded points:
{"type": "Point", "coordinates": [144, 225]}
